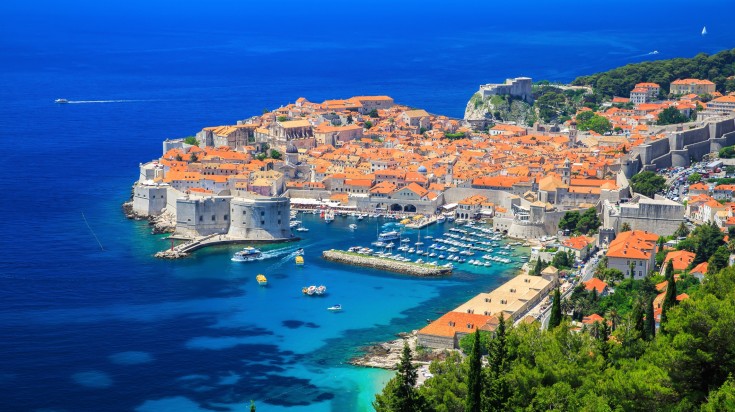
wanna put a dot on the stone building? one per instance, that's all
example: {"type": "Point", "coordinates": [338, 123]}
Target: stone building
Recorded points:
{"type": "Point", "coordinates": [688, 86]}
{"type": "Point", "coordinates": [519, 87]}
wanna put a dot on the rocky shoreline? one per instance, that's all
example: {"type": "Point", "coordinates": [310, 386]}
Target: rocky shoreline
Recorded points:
{"type": "Point", "coordinates": [163, 223]}
{"type": "Point", "coordinates": [385, 264]}
{"type": "Point", "coordinates": [386, 355]}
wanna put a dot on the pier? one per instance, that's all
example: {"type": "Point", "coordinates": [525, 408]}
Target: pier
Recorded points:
{"type": "Point", "coordinates": [409, 268]}
{"type": "Point", "coordinates": [420, 224]}
{"type": "Point", "coordinates": [184, 249]}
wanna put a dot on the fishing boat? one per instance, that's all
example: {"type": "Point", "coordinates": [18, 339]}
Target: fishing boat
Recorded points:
{"type": "Point", "coordinates": [335, 308]}
{"type": "Point", "coordinates": [61, 101]}
{"type": "Point", "coordinates": [299, 260]}
{"type": "Point", "coordinates": [248, 254]}
{"type": "Point", "coordinates": [262, 281]}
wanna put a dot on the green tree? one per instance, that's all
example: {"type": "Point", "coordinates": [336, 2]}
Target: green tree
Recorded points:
{"type": "Point", "coordinates": [555, 316]}
{"type": "Point", "coordinates": [721, 399]}
{"type": "Point", "coordinates": [191, 140]}
{"type": "Point", "coordinates": [474, 377]}
{"type": "Point", "coordinates": [260, 156]}
{"type": "Point", "coordinates": [637, 317]}
{"type": "Point", "coordinates": [727, 152]}
{"type": "Point", "coordinates": [373, 113]}
{"type": "Point", "coordinates": [400, 392]}
{"type": "Point", "coordinates": [193, 158]}
{"type": "Point", "coordinates": [706, 239]}
{"type": "Point", "coordinates": [671, 115]}
{"type": "Point", "coordinates": [178, 157]}
{"type": "Point", "coordinates": [670, 297]}
{"type": "Point", "coordinates": [497, 391]}
{"type": "Point", "coordinates": [694, 178]}
{"type": "Point", "coordinates": [569, 221]}
{"type": "Point", "coordinates": [719, 260]}
{"type": "Point", "coordinates": [650, 322]}
{"type": "Point", "coordinates": [275, 154]}
{"type": "Point", "coordinates": [350, 119]}
{"type": "Point", "coordinates": [368, 124]}
{"type": "Point", "coordinates": [647, 183]}
{"type": "Point", "coordinates": [447, 390]}
{"type": "Point", "coordinates": [588, 221]}
{"type": "Point", "coordinates": [682, 230]}
{"type": "Point", "coordinates": [252, 406]}
{"type": "Point", "coordinates": [282, 118]}
{"type": "Point", "coordinates": [625, 227]}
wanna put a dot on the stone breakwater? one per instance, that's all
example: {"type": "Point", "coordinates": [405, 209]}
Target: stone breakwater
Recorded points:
{"type": "Point", "coordinates": [408, 268]}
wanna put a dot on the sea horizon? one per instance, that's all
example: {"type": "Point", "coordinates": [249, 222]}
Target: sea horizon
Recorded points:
{"type": "Point", "coordinates": [96, 323]}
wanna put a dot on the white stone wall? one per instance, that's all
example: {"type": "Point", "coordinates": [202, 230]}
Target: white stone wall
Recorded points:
{"type": "Point", "coordinates": [201, 216]}
{"type": "Point", "coordinates": [260, 218]}
{"type": "Point", "coordinates": [149, 200]}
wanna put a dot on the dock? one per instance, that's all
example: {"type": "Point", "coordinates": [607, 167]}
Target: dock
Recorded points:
{"type": "Point", "coordinates": [409, 268]}
{"type": "Point", "coordinates": [424, 222]}
{"type": "Point", "coordinates": [185, 249]}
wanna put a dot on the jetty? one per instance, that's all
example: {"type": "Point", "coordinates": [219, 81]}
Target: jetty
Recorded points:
{"type": "Point", "coordinates": [183, 250]}
{"type": "Point", "coordinates": [422, 223]}
{"type": "Point", "coordinates": [409, 268]}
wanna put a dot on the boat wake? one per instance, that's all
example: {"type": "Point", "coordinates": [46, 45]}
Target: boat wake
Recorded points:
{"type": "Point", "coordinates": [106, 101]}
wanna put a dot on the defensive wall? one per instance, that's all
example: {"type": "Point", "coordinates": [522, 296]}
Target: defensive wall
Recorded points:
{"type": "Point", "coordinates": [681, 147]}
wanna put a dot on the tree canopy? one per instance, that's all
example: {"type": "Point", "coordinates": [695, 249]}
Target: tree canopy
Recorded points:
{"type": "Point", "coordinates": [647, 183]}
{"type": "Point", "coordinates": [671, 115]}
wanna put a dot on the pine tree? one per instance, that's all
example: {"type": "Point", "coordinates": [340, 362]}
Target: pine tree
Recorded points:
{"type": "Point", "coordinates": [474, 377]}
{"type": "Point", "coordinates": [555, 317]}
{"type": "Point", "coordinates": [400, 392]}
{"type": "Point", "coordinates": [650, 325]}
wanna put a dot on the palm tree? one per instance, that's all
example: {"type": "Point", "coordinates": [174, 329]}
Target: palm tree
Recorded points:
{"type": "Point", "coordinates": [614, 318]}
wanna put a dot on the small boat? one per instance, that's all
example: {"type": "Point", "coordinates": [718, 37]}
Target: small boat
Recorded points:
{"type": "Point", "coordinates": [335, 308]}
{"type": "Point", "coordinates": [329, 216]}
{"type": "Point", "coordinates": [302, 229]}
{"type": "Point", "coordinates": [262, 281]}
{"type": "Point", "coordinates": [320, 290]}
{"type": "Point", "coordinates": [704, 32]}
{"type": "Point", "coordinates": [299, 260]}
{"type": "Point", "coordinates": [300, 251]}
{"type": "Point", "coordinates": [61, 101]}
{"type": "Point", "coordinates": [248, 254]}
{"type": "Point", "coordinates": [353, 226]}
{"type": "Point", "coordinates": [440, 219]}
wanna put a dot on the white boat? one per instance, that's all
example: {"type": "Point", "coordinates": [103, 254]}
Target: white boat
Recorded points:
{"type": "Point", "coordinates": [335, 308]}
{"type": "Point", "coordinates": [353, 226]}
{"type": "Point", "coordinates": [389, 236]}
{"type": "Point", "coordinates": [440, 219]}
{"type": "Point", "coordinates": [300, 251]}
{"type": "Point", "coordinates": [61, 101]}
{"type": "Point", "coordinates": [302, 229]}
{"type": "Point", "coordinates": [704, 31]}
{"type": "Point", "coordinates": [248, 254]}
{"type": "Point", "coordinates": [329, 216]}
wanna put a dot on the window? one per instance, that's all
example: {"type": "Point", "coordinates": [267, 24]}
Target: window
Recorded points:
{"type": "Point", "coordinates": [225, 217]}
{"type": "Point", "coordinates": [262, 213]}
{"type": "Point", "coordinates": [262, 222]}
{"type": "Point", "coordinates": [279, 221]}
{"type": "Point", "coordinates": [201, 218]}
{"type": "Point", "coordinates": [212, 218]}
{"type": "Point", "coordinates": [244, 212]}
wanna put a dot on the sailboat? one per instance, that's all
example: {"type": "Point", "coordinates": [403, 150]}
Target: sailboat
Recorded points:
{"type": "Point", "coordinates": [704, 30]}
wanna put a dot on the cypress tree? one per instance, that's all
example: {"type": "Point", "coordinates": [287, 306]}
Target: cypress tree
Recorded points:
{"type": "Point", "coordinates": [400, 392]}
{"type": "Point", "coordinates": [650, 325]}
{"type": "Point", "coordinates": [555, 317]}
{"type": "Point", "coordinates": [497, 389]}
{"type": "Point", "coordinates": [603, 336]}
{"type": "Point", "coordinates": [474, 377]}
{"type": "Point", "coordinates": [670, 297]}
{"type": "Point", "coordinates": [637, 318]}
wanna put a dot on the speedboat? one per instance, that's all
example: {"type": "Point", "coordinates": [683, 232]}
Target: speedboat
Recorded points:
{"type": "Point", "coordinates": [302, 229]}
{"type": "Point", "coordinates": [300, 251]}
{"type": "Point", "coordinates": [335, 308]}
{"type": "Point", "coordinates": [61, 101]}
{"type": "Point", "coordinates": [262, 281]}
{"type": "Point", "coordinates": [248, 254]}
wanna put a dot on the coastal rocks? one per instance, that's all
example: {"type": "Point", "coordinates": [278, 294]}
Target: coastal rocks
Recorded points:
{"type": "Point", "coordinates": [163, 223]}
{"type": "Point", "coordinates": [170, 254]}
{"type": "Point", "coordinates": [385, 264]}
{"type": "Point", "coordinates": [386, 355]}
{"type": "Point", "coordinates": [481, 112]}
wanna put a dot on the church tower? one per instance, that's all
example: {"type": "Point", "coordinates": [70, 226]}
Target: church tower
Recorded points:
{"type": "Point", "coordinates": [292, 154]}
{"type": "Point", "coordinates": [566, 172]}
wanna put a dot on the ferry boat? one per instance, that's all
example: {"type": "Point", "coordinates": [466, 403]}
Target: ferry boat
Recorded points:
{"type": "Point", "coordinates": [61, 101]}
{"type": "Point", "coordinates": [389, 236]}
{"type": "Point", "coordinates": [262, 281]}
{"type": "Point", "coordinates": [335, 308]}
{"type": "Point", "coordinates": [248, 254]}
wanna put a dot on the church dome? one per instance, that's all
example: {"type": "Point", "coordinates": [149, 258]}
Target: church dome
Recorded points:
{"type": "Point", "coordinates": [422, 169]}
{"type": "Point", "coordinates": [291, 148]}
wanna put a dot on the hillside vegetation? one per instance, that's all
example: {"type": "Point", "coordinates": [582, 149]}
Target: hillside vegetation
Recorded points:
{"type": "Point", "coordinates": [718, 68]}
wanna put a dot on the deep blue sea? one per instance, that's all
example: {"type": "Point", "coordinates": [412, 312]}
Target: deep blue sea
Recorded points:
{"type": "Point", "coordinates": [92, 322]}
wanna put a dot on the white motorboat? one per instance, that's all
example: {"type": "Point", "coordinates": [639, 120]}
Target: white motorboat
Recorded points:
{"type": "Point", "coordinates": [248, 254]}
{"type": "Point", "coordinates": [335, 308]}
{"type": "Point", "coordinates": [61, 101]}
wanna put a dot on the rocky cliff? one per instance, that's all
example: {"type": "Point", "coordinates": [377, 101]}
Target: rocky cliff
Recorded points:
{"type": "Point", "coordinates": [499, 109]}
